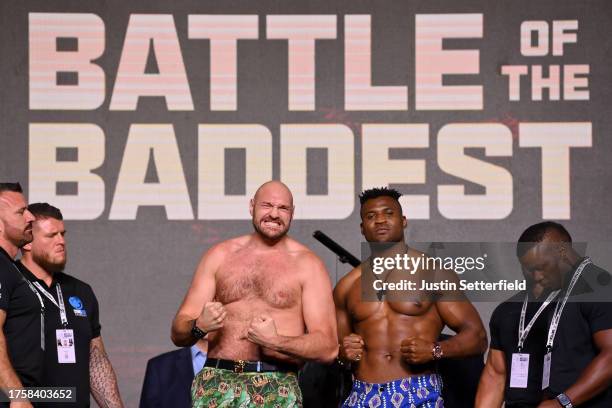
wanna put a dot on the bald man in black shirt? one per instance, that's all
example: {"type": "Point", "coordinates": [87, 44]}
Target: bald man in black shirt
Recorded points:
{"type": "Point", "coordinates": [21, 310]}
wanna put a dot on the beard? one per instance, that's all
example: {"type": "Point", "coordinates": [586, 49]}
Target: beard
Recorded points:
{"type": "Point", "coordinates": [19, 238]}
{"type": "Point", "coordinates": [274, 236]}
{"type": "Point", "coordinates": [27, 238]}
{"type": "Point", "coordinates": [49, 265]}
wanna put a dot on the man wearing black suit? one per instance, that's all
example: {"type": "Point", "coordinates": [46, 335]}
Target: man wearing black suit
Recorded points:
{"type": "Point", "coordinates": [168, 378]}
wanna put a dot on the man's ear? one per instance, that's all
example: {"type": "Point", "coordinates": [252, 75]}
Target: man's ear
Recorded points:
{"type": "Point", "coordinates": [27, 247]}
{"type": "Point", "coordinates": [292, 213]}
{"type": "Point", "coordinates": [564, 253]}
{"type": "Point", "coordinates": [361, 227]}
{"type": "Point", "coordinates": [562, 249]}
{"type": "Point", "coordinates": [404, 221]}
{"type": "Point", "coordinates": [251, 205]}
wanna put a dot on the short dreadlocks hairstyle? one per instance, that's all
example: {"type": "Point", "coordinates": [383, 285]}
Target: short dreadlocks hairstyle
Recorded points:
{"type": "Point", "coordinates": [535, 233]}
{"type": "Point", "coordinates": [379, 192]}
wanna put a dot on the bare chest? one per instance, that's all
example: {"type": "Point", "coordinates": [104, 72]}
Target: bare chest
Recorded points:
{"type": "Point", "coordinates": [259, 278]}
{"type": "Point", "coordinates": [391, 305]}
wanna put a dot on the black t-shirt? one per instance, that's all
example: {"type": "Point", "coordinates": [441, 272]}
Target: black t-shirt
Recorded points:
{"type": "Point", "coordinates": [22, 327]}
{"type": "Point", "coordinates": [82, 315]}
{"type": "Point", "coordinates": [503, 326]}
{"type": "Point", "coordinates": [573, 347]}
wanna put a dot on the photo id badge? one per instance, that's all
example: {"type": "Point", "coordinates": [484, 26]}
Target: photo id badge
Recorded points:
{"type": "Point", "coordinates": [65, 346]}
{"type": "Point", "coordinates": [519, 372]}
{"type": "Point", "coordinates": [546, 371]}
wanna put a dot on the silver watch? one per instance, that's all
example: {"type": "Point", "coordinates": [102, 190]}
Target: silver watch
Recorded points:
{"type": "Point", "coordinates": [564, 401]}
{"type": "Point", "coordinates": [436, 351]}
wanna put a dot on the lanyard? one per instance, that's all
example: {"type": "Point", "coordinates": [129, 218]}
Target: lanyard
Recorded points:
{"type": "Point", "coordinates": [554, 324]}
{"type": "Point", "coordinates": [42, 309]}
{"type": "Point", "coordinates": [60, 303]}
{"type": "Point", "coordinates": [523, 331]}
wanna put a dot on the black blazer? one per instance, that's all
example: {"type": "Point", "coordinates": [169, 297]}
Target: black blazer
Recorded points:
{"type": "Point", "coordinates": [168, 379]}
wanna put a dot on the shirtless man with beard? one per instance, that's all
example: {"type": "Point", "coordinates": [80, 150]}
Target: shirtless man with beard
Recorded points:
{"type": "Point", "coordinates": [391, 343]}
{"type": "Point", "coordinates": [263, 301]}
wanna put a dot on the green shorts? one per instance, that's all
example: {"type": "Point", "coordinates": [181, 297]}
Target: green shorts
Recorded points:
{"type": "Point", "coordinates": [216, 388]}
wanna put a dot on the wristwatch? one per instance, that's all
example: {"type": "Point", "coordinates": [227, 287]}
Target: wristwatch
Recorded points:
{"type": "Point", "coordinates": [564, 401]}
{"type": "Point", "coordinates": [197, 332]}
{"type": "Point", "coordinates": [436, 351]}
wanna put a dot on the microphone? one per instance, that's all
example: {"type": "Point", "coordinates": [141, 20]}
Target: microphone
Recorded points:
{"type": "Point", "coordinates": [344, 255]}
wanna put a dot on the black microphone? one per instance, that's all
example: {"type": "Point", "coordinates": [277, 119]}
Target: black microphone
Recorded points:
{"type": "Point", "coordinates": [344, 255]}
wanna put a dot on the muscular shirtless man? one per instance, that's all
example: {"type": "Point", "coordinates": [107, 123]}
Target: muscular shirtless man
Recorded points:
{"type": "Point", "coordinates": [263, 301]}
{"type": "Point", "coordinates": [392, 343]}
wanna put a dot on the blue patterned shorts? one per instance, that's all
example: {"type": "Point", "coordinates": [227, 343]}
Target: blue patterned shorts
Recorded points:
{"type": "Point", "coordinates": [423, 391]}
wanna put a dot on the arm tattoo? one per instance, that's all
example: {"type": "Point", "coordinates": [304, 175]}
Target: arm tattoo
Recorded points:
{"type": "Point", "coordinates": [102, 379]}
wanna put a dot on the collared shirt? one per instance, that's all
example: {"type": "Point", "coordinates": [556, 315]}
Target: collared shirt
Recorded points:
{"type": "Point", "coordinates": [198, 359]}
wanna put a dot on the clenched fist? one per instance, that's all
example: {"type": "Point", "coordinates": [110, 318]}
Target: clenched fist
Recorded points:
{"type": "Point", "coordinates": [352, 347]}
{"type": "Point", "coordinates": [212, 317]}
{"type": "Point", "coordinates": [416, 350]}
{"type": "Point", "coordinates": [262, 331]}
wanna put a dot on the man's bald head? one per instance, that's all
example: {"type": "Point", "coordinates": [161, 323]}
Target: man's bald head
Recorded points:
{"type": "Point", "coordinates": [272, 210]}
{"type": "Point", "coordinates": [548, 231]}
{"type": "Point", "coordinates": [274, 187]}
{"type": "Point", "coordinates": [15, 219]}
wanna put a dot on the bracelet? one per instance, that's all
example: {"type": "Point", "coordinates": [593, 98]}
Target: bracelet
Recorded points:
{"type": "Point", "coordinates": [437, 351]}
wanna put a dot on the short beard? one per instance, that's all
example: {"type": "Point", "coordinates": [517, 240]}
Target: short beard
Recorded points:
{"type": "Point", "coordinates": [19, 240]}
{"type": "Point", "coordinates": [49, 266]}
{"type": "Point", "coordinates": [267, 237]}
{"type": "Point", "coordinates": [27, 238]}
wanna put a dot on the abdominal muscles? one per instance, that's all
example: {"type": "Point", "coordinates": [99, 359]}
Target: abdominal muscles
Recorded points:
{"type": "Point", "coordinates": [383, 330]}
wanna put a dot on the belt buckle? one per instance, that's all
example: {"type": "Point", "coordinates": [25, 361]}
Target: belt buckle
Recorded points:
{"type": "Point", "coordinates": [239, 366]}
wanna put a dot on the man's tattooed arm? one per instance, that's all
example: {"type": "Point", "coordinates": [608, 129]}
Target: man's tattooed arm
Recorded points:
{"type": "Point", "coordinates": [102, 379]}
